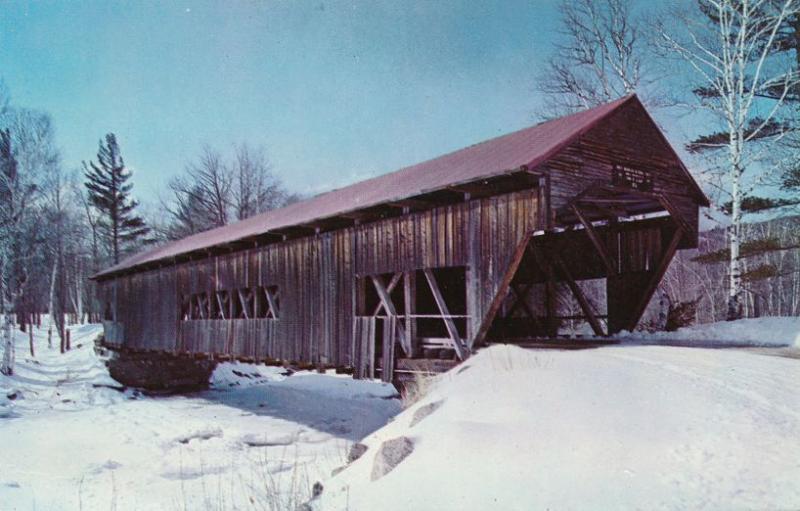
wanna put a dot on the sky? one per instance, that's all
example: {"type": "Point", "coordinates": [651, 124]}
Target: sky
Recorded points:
{"type": "Point", "coordinates": [334, 91]}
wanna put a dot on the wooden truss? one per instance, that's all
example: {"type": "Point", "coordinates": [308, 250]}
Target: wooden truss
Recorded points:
{"type": "Point", "coordinates": [404, 322]}
{"type": "Point", "coordinates": [628, 292]}
{"type": "Point", "coordinates": [244, 303]}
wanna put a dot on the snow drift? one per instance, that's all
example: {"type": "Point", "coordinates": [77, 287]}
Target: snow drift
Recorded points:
{"type": "Point", "coordinates": [625, 427]}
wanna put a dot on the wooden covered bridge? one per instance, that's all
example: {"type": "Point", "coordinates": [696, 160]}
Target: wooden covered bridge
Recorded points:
{"type": "Point", "coordinates": [428, 262]}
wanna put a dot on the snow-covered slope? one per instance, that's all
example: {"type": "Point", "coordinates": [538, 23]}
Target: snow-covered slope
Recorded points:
{"type": "Point", "coordinates": [623, 427]}
{"type": "Point", "coordinates": [256, 440]}
{"type": "Point", "coordinates": [766, 331]}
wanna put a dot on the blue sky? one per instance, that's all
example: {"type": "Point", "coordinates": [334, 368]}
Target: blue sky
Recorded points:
{"type": "Point", "coordinates": [336, 91]}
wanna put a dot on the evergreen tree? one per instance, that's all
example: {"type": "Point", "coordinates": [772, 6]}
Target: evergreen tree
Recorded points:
{"type": "Point", "coordinates": [740, 52]}
{"type": "Point", "coordinates": [109, 193]}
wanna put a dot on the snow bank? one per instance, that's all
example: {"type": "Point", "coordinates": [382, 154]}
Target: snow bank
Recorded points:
{"type": "Point", "coordinates": [624, 427]}
{"type": "Point", "coordinates": [767, 331]}
{"type": "Point", "coordinates": [73, 381]}
{"type": "Point", "coordinates": [71, 438]}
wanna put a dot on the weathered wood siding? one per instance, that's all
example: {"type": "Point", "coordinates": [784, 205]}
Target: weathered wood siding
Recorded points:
{"type": "Point", "coordinates": [316, 276]}
{"type": "Point", "coordinates": [624, 139]}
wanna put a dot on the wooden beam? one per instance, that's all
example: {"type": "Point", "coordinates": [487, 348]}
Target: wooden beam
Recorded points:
{"type": "Point", "coordinates": [409, 298]}
{"type": "Point", "coordinates": [675, 214]}
{"type": "Point", "coordinates": [610, 265]}
{"type": "Point", "coordinates": [520, 300]}
{"type": "Point", "coordinates": [390, 329]}
{"type": "Point", "coordinates": [578, 293]}
{"type": "Point", "coordinates": [658, 274]}
{"type": "Point", "coordinates": [448, 321]}
{"type": "Point", "coordinates": [220, 304]}
{"type": "Point", "coordinates": [243, 302]}
{"type": "Point", "coordinates": [550, 289]}
{"type": "Point", "coordinates": [524, 304]}
{"type": "Point", "coordinates": [410, 203]}
{"type": "Point", "coordinates": [271, 300]}
{"type": "Point", "coordinates": [392, 284]}
{"type": "Point", "coordinates": [388, 304]}
{"type": "Point", "coordinates": [502, 291]}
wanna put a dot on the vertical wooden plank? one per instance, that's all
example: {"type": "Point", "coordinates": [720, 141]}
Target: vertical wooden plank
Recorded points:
{"type": "Point", "coordinates": [390, 325]}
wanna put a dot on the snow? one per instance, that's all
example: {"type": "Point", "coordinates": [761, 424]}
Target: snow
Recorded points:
{"type": "Point", "coordinates": [766, 331]}
{"type": "Point", "coordinates": [631, 426]}
{"type": "Point", "coordinates": [256, 439]}
{"type": "Point", "coordinates": [618, 427]}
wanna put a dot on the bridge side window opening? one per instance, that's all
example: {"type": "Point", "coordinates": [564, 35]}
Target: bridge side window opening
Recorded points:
{"type": "Point", "coordinates": [434, 303]}
{"type": "Point", "coordinates": [257, 302]}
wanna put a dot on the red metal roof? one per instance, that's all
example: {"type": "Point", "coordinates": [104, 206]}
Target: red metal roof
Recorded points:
{"type": "Point", "coordinates": [530, 146]}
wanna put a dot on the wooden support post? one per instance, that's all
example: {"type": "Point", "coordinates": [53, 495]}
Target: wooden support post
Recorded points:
{"type": "Point", "coordinates": [256, 301]}
{"type": "Point", "coordinates": [550, 290]}
{"type": "Point", "coordinates": [658, 274]}
{"type": "Point", "coordinates": [502, 291]}
{"type": "Point", "coordinates": [409, 300]}
{"type": "Point", "coordinates": [448, 321]}
{"type": "Point", "coordinates": [610, 265]}
{"type": "Point", "coordinates": [390, 325]}
{"type": "Point", "coordinates": [578, 293]}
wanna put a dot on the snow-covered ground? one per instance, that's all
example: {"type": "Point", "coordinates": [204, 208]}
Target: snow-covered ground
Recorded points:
{"type": "Point", "coordinates": [631, 426]}
{"type": "Point", "coordinates": [256, 440]}
{"type": "Point", "coordinates": [620, 427]}
{"type": "Point", "coordinates": [766, 331]}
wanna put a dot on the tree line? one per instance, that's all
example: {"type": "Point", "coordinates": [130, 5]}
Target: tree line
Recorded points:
{"type": "Point", "coordinates": [729, 68]}
{"type": "Point", "coordinates": [58, 227]}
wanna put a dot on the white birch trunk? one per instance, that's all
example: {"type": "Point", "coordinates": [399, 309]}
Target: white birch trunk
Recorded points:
{"type": "Point", "coordinates": [7, 366]}
{"type": "Point", "coordinates": [52, 305]}
{"type": "Point", "coordinates": [735, 230]}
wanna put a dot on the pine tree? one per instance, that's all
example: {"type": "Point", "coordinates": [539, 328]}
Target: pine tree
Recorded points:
{"type": "Point", "coordinates": [109, 193]}
{"type": "Point", "coordinates": [738, 51]}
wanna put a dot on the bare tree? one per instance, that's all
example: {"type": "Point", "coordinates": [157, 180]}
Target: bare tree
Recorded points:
{"type": "Point", "coordinates": [730, 47]}
{"type": "Point", "coordinates": [26, 152]}
{"type": "Point", "coordinates": [201, 197]}
{"type": "Point", "coordinates": [599, 57]}
{"type": "Point", "coordinates": [256, 189]}
{"type": "Point", "coordinates": [212, 192]}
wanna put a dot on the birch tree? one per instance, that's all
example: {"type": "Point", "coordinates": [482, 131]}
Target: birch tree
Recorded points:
{"type": "Point", "coordinates": [11, 206]}
{"type": "Point", "coordinates": [26, 152]}
{"type": "Point", "coordinates": [744, 82]}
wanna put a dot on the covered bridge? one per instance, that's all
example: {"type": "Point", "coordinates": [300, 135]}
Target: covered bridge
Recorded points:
{"type": "Point", "coordinates": [427, 262]}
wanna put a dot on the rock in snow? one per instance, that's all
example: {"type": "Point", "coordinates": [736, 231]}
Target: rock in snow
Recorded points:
{"type": "Point", "coordinates": [424, 411]}
{"type": "Point", "coordinates": [391, 453]}
{"type": "Point", "coordinates": [356, 451]}
{"type": "Point", "coordinates": [617, 427]}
